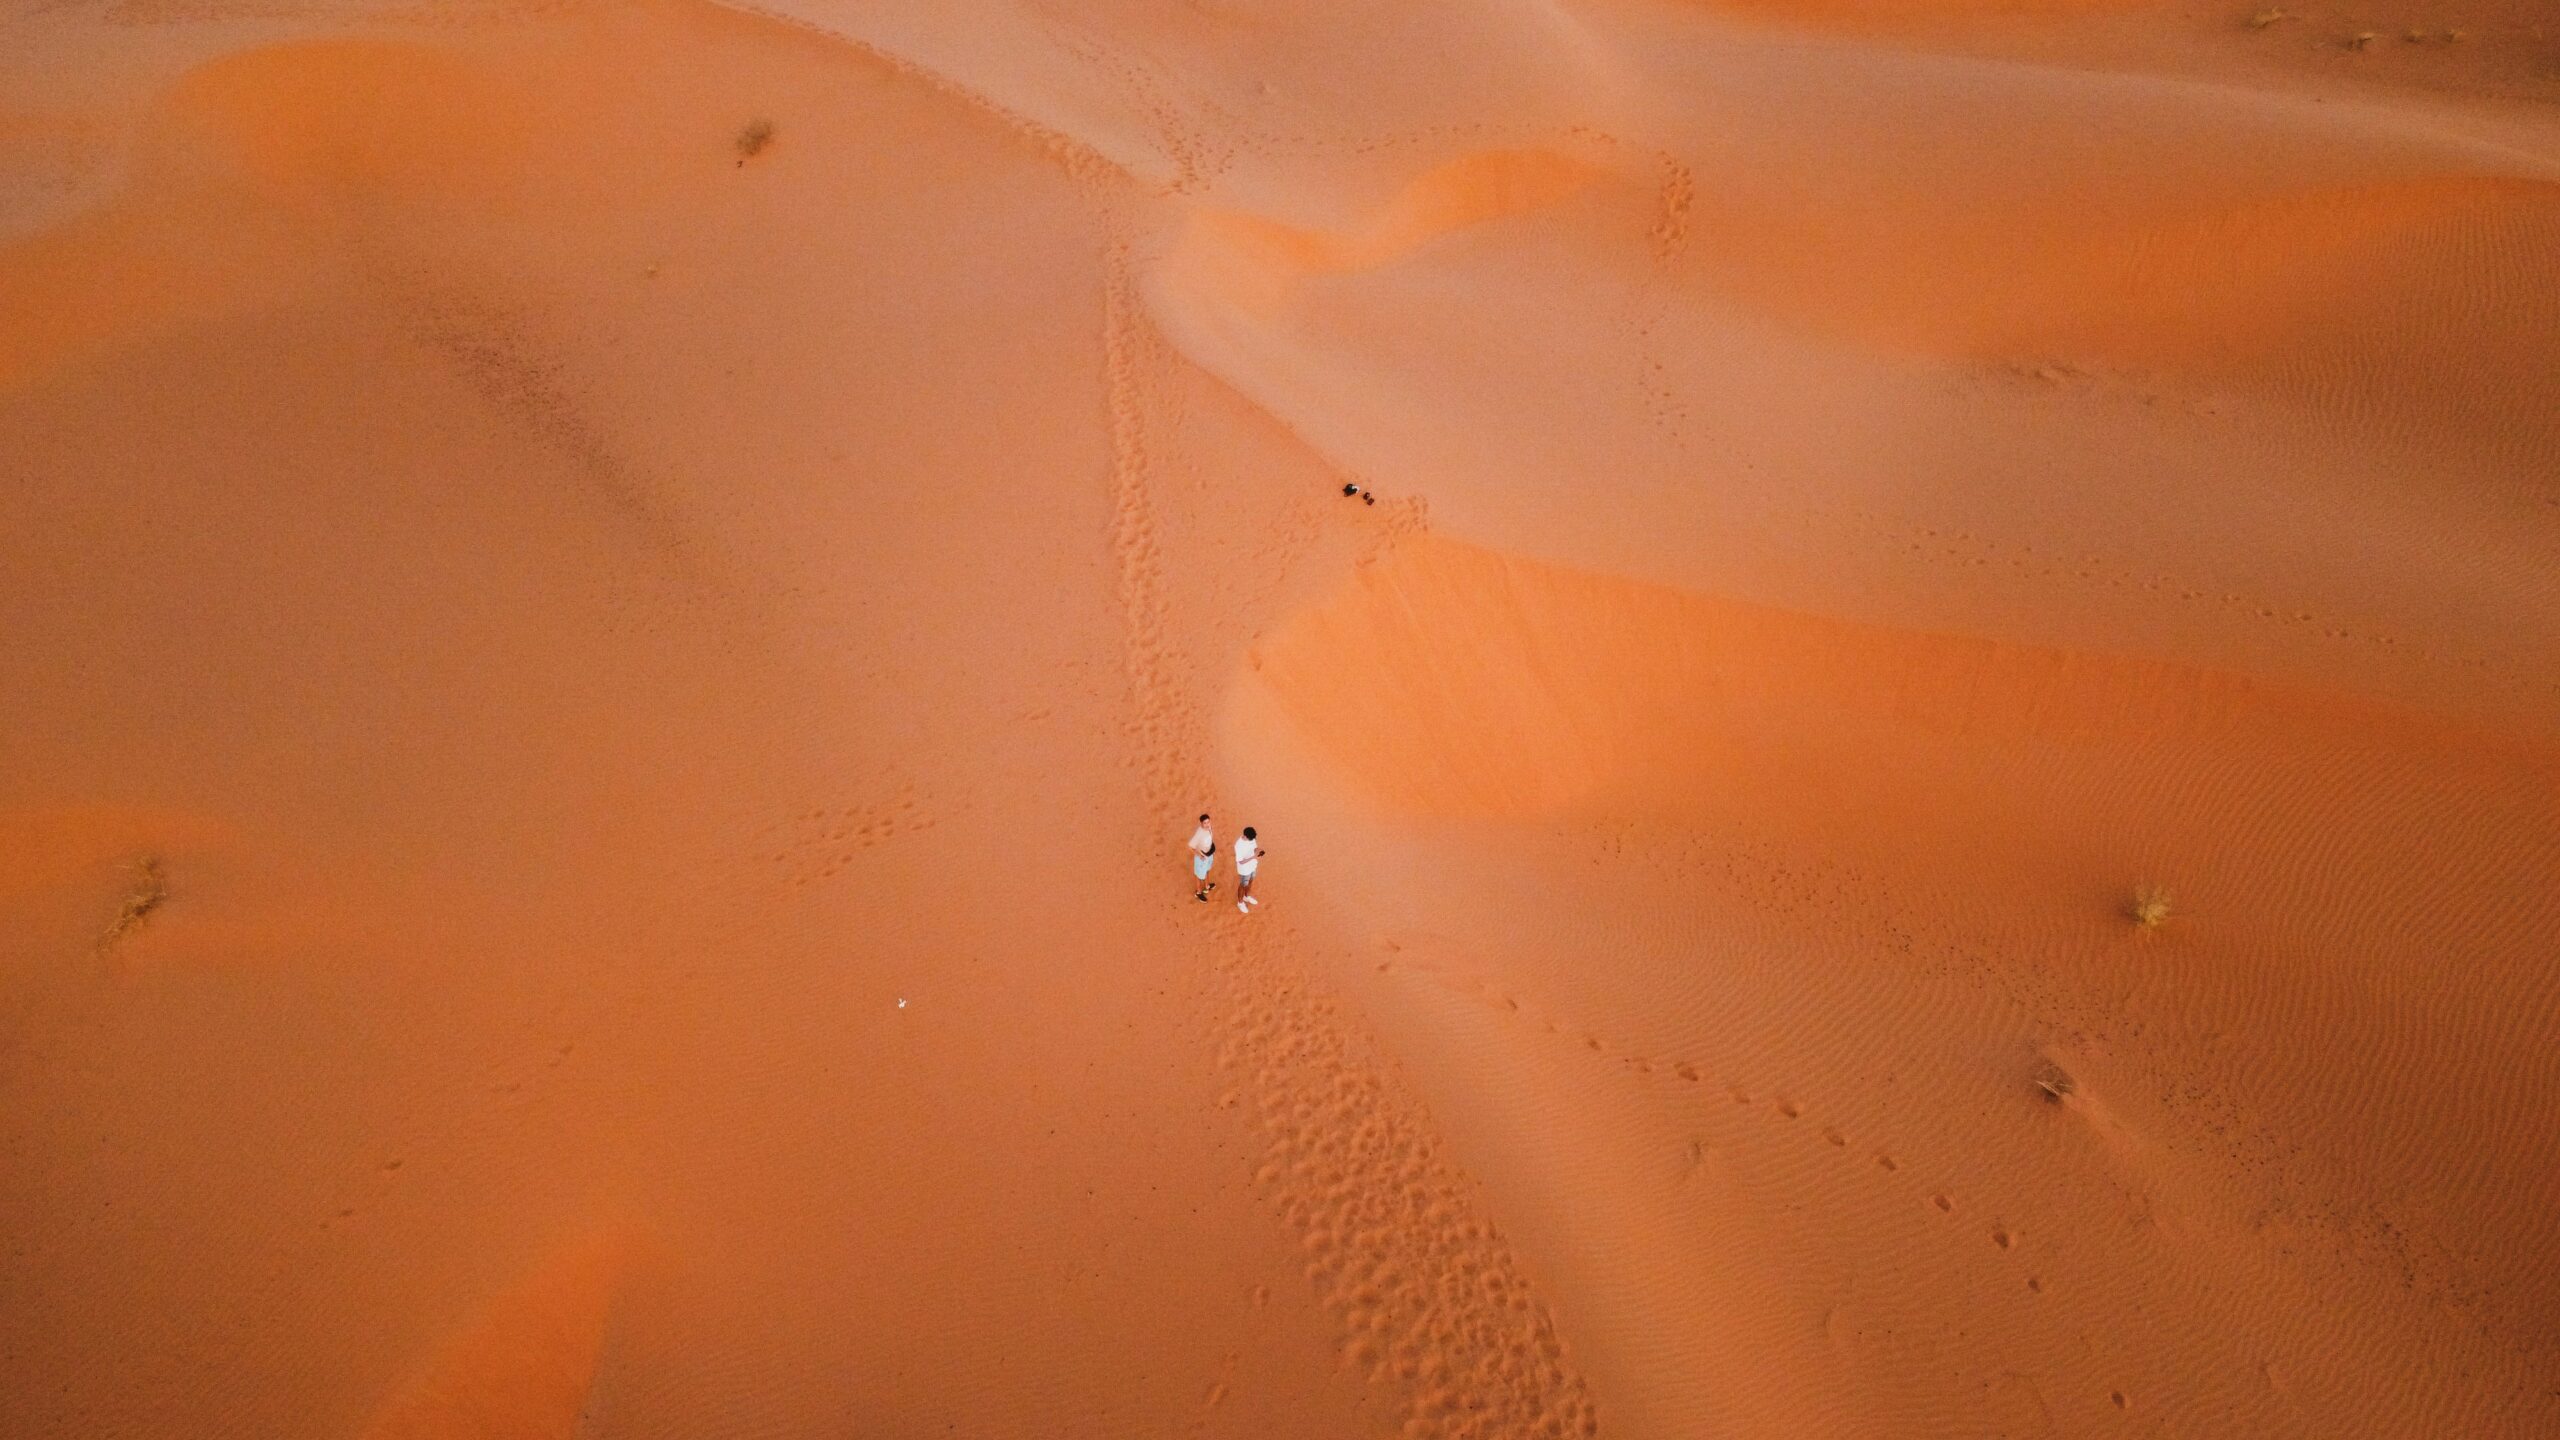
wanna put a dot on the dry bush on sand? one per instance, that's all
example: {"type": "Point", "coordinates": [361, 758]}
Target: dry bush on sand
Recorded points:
{"type": "Point", "coordinates": [753, 140]}
{"type": "Point", "coordinates": [2150, 908]}
{"type": "Point", "coordinates": [150, 891]}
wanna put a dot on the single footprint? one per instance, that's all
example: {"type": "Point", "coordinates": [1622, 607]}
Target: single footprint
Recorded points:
{"type": "Point", "coordinates": [1943, 1203]}
{"type": "Point", "coordinates": [1886, 1162]}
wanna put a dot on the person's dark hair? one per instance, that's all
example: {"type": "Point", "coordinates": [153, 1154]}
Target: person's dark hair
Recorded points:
{"type": "Point", "coordinates": [1204, 814]}
{"type": "Point", "coordinates": [1248, 832]}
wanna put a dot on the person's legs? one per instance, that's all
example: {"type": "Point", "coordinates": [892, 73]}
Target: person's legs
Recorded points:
{"type": "Point", "coordinates": [1200, 875]}
{"type": "Point", "coordinates": [1244, 892]}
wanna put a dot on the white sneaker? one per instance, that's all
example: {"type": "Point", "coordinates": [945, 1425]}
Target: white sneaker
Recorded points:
{"type": "Point", "coordinates": [1242, 909]}
{"type": "Point", "coordinates": [1253, 899]}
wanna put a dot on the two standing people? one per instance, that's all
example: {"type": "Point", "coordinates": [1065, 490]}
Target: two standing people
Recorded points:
{"type": "Point", "coordinates": [1204, 854]}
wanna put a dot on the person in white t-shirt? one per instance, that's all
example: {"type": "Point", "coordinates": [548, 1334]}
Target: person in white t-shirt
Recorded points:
{"type": "Point", "coordinates": [1204, 853]}
{"type": "Point", "coordinates": [1248, 860]}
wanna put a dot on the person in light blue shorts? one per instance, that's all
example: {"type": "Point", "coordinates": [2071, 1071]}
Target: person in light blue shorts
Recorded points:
{"type": "Point", "coordinates": [1204, 853]}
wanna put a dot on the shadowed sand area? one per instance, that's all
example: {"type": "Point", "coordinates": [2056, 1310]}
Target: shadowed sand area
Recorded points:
{"type": "Point", "coordinates": [1926, 807]}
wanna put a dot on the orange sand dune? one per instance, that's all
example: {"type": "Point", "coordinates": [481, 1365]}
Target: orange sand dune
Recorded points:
{"type": "Point", "coordinates": [1267, 256]}
{"type": "Point", "coordinates": [1872, 15]}
{"type": "Point", "coordinates": [1897, 921]}
{"type": "Point", "coordinates": [524, 1368]}
{"type": "Point", "coordinates": [1925, 805]}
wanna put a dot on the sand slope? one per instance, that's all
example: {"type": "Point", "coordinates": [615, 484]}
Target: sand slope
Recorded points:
{"type": "Point", "coordinates": [615, 615]}
{"type": "Point", "coordinates": [1894, 923]}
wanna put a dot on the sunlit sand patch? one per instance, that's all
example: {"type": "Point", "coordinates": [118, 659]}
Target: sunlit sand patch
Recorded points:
{"type": "Point", "coordinates": [44, 848]}
{"type": "Point", "coordinates": [1891, 15]}
{"type": "Point", "coordinates": [1258, 260]}
{"type": "Point", "coordinates": [2210, 287]}
{"type": "Point", "coordinates": [522, 1367]}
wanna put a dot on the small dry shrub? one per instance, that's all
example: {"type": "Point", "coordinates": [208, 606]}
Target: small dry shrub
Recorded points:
{"type": "Point", "coordinates": [150, 891]}
{"type": "Point", "coordinates": [753, 140]}
{"type": "Point", "coordinates": [2150, 908]}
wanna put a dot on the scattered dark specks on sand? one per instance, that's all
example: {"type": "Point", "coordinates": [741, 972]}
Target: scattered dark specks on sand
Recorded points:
{"type": "Point", "coordinates": [150, 891]}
